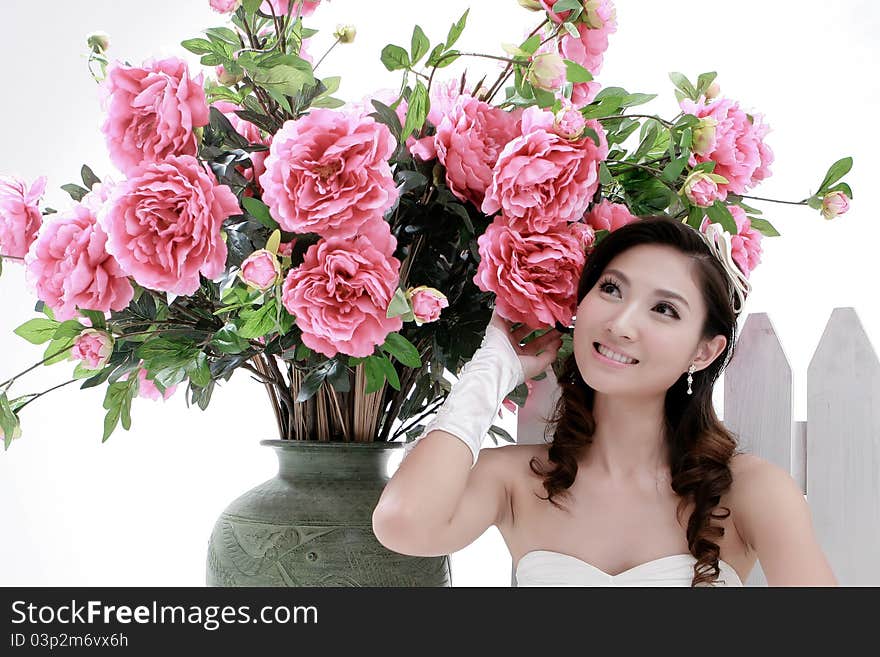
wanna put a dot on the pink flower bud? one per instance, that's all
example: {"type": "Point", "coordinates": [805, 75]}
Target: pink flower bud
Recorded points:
{"type": "Point", "coordinates": [531, 5]}
{"type": "Point", "coordinates": [98, 42]}
{"type": "Point", "coordinates": [713, 91]}
{"type": "Point", "coordinates": [260, 270]}
{"type": "Point", "coordinates": [704, 142]}
{"type": "Point", "coordinates": [547, 71]}
{"type": "Point", "coordinates": [426, 303]}
{"type": "Point", "coordinates": [834, 204]}
{"type": "Point", "coordinates": [701, 189]}
{"type": "Point", "coordinates": [570, 123]}
{"type": "Point", "coordinates": [93, 348]}
{"type": "Point", "coordinates": [285, 249]}
{"type": "Point", "coordinates": [225, 6]}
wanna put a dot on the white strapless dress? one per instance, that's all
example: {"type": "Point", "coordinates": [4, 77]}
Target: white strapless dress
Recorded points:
{"type": "Point", "coordinates": [548, 568]}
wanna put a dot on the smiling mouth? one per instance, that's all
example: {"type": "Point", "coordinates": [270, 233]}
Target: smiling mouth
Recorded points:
{"type": "Point", "coordinates": [608, 353]}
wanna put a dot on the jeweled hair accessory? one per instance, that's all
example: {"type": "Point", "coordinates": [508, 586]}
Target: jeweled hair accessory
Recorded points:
{"type": "Point", "coordinates": [719, 242]}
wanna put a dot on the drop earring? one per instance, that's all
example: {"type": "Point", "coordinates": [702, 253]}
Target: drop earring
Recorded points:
{"type": "Point", "coordinates": [691, 371]}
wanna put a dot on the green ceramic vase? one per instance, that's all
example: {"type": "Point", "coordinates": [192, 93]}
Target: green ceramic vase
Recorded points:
{"type": "Point", "coordinates": [311, 524]}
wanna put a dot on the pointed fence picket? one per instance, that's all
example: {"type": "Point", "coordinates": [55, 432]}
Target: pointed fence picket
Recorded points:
{"type": "Point", "coordinates": [834, 456]}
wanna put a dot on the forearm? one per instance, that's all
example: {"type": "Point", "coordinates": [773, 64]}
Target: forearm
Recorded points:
{"type": "Point", "coordinates": [421, 497]}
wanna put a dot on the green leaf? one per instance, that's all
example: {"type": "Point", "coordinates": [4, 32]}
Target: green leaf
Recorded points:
{"type": "Point", "coordinates": [224, 34]}
{"type": "Point", "coordinates": [286, 79]}
{"type": "Point", "coordinates": [199, 370]}
{"type": "Point", "coordinates": [259, 322]}
{"type": "Point", "coordinates": [312, 382]}
{"type": "Point", "coordinates": [259, 211]}
{"type": "Point", "coordinates": [58, 350]}
{"type": "Point", "coordinates": [251, 6]}
{"type": "Point", "coordinates": [398, 306]}
{"type": "Point", "coordinates": [704, 81]}
{"type": "Point", "coordinates": [417, 111]}
{"type": "Point", "coordinates": [435, 55]}
{"type": "Point", "coordinates": [835, 172]}
{"type": "Point", "coordinates": [720, 214]}
{"type": "Point", "coordinates": [682, 83]}
{"type": "Point", "coordinates": [69, 329]}
{"type": "Point", "coordinates": [161, 353]}
{"type": "Point", "coordinates": [117, 401]}
{"type": "Point", "coordinates": [764, 227]}
{"type": "Point", "coordinates": [228, 341]}
{"type": "Point", "coordinates": [631, 100]}
{"type": "Point", "coordinates": [575, 73]}
{"type": "Point", "coordinates": [37, 330]}
{"type": "Point", "coordinates": [566, 5]}
{"type": "Point", "coordinates": [388, 371]}
{"type": "Point", "coordinates": [198, 46]}
{"type": "Point", "coordinates": [650, 137]}
{"type": "Point", "coordinates": [419, 45]}
{"type": "Point", "coordinates": [402, 349]}
{"type": "Point", "coordinates": [76, 192]}
{"type": "Point", "coordinates": [96, 317]}
{"type": "Point", "coordinates": [395, 58]}
{"type": "Point", "coordinates": [673, 170]}
{"type": "Point", "coordinates": [705, 167]}
{"type": "Point", "coordinates": [374, 373]}
{"type": "Point", "coordinates": [571, 29]}
{"type": "Point", "coordinates": [605, 176]}
{"type": "Point", "coordinates": [456, 30]}
{"type": "Point", "coordinates": [695, 216]}
{"type": "Point", "coordinates": [841, 187]}
{"type": "Point", "coordinates": [88, 177]}
{"type": "Point", "coordinates": [9, 421]}
{"type": "Point", "coordinates": [530, 45]}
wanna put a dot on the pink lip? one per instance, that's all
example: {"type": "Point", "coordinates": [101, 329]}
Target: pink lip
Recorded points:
{"type": "Point", "coordinates": [608, 361]}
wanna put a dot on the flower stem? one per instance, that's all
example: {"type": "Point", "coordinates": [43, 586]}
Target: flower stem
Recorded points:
{"type": "Point", "coordinates": [773, 200]}
{"type": "Point", "coordinates": [40, 394]}
{"type": "Point", "coordinates": [7, 383]}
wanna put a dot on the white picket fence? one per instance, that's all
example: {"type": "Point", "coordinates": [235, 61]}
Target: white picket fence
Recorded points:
{"type": "Point", "coordinates": [834, 455]}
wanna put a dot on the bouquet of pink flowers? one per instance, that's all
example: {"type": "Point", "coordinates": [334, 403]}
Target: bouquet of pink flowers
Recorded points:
{"type": "Point", "coordinates": [346, 255]}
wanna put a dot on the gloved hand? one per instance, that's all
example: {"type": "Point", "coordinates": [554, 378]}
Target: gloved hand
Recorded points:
{"type": "Point", "coordinates": [495, 369]}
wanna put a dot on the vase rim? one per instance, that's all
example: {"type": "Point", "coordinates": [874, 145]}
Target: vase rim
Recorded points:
{"type": "Point", "coordinates": [296, 444]}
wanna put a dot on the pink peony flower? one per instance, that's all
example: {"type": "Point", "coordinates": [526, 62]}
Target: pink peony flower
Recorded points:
{"type": "Point", "coordinates": [609, 216]}
{"type": "Point", "coordinates": [152, 111]}
{"type": "Point", "coordinates": [834, 204]}
{"type": "Point", "coordinates": [746, 244]}
{"type": "Point", "coordinates": [225, 6]}
{"type": "Point", "coordinates": [584, 234]}
{"type": "Point", "coordinates": [93, 348]}
{"type": "Point", "coordinates": [569, 122]}
{"type": "Point", "coordinates": [737, 147]}
{"type": "Point", "coordinates": [250, 132]}
{"type": "Point", "coordinates": [328, 173]}
{"type": "Point", "coordinates": [534, 275]}
{"type": "Point", "coordinates": [260, 269]}
{"type": "Point", "coordinates": [68, 265]}
{"type": "Point", "coordinates": [468, 142]}
{"type": "Point", "coordinates": [600, 20]}
{"type": "Point", "coordinates": [147, 387]}
{"type": "Point", "coordinates": [542, 179]}
{"type": "Point", "coordinates": [164, 224]}
{"type": "Point", "coordinates": [584, 93]}
{"type": "Point", "coordinates": [281, 7]}
{"type": "Point", "coordinates": [426, 302]}
{"type": "Point", "coordinates": [20, 216]}
{"type": "Point", "coordinates": [701, 189]}
{"type": "Point", "coordinates": [341, 292]}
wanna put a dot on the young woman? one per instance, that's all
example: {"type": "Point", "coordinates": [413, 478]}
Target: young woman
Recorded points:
{"type": "Point", "coordinates": [641, 485]}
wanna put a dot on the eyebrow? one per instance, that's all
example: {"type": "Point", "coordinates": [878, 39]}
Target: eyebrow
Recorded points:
{"type": "Point", "coordinates": [663, 293]}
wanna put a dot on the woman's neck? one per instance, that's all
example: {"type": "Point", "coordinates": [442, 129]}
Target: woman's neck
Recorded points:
{"type": "Point", "coordinates": [629, 440]}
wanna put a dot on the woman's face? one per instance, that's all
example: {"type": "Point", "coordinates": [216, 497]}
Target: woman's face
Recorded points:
{"type": "Point", "coordinates": [647, 307]}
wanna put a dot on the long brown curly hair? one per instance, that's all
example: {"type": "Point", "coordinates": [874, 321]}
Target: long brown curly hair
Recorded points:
{"type": "Point", "coordinates": [700, 447]}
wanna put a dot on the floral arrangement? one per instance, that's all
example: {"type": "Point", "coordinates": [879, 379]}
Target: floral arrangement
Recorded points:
{"type": "Point", "coordinates": [345, 255]}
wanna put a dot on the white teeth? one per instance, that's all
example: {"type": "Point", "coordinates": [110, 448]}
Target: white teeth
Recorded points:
{"type": "Point", "coordinates": [614, 356]}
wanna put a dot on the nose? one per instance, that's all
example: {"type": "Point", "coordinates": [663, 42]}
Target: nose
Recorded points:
{"type": "Point", "coordinates": [621, 325]}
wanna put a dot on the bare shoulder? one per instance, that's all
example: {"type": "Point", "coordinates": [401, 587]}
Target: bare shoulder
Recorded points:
{"type": "Point", "coordinates": [761, 492]}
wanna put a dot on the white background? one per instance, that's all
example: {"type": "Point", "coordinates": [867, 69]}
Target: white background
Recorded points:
{"type": "Point", "coordinates": [138, 510]}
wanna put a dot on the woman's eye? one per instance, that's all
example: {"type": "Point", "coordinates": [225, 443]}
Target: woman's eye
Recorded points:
{"type": "Point", "coordinates": [605, 287]}
{"type": "Point", "coordinates": [667, 307]}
